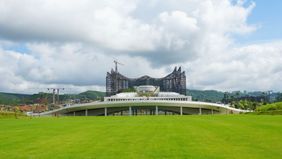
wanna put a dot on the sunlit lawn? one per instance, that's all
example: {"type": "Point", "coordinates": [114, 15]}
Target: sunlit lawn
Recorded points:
{"type": "Point", "coordinates": [218, 136]}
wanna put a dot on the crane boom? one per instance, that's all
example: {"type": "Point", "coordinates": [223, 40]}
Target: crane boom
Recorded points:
{"type": "Point", "coordinates": [116, 63]}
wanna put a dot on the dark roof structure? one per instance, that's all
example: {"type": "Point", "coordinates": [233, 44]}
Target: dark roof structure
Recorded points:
{"type": "Point", "coordinates": [173, 82]}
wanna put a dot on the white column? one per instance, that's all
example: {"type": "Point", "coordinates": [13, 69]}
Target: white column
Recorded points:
{"type": "Point", "coordinates": [106, 111]}
{"type": "Point", "coordinates": [74, 113]}
{"type": "Point", "coordinates": [212, 111]}
{"type": "Point", "coordinates": [200, 111]}
{"type": "Point", "coordinates": [181, 111]}
{"type": "Point", "coordinates": [86, 112]}
{"type": "Point", "coordinates": [130, 111]}
{"type": "Point", "coordinates": [157, 110]}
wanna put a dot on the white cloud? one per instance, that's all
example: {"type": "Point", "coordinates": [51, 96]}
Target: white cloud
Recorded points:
{"type": "Point", "coordinates": [252, 67]}
{"type": "Point", "coordinates": [178, 21]}
{"type": "Point", "coordinates": [112, 24]}
{"type": "Point", "coordinates": [70, 65]}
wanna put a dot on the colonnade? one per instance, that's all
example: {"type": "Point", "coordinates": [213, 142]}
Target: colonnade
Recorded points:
{"type": "Point", "coordinates": [112, 99]}
{"type": "Point", "coordinates": [154, 111]}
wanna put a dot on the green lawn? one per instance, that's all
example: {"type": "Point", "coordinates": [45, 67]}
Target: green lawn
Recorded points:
{"type": "Point", "coordinates": [218, 136]}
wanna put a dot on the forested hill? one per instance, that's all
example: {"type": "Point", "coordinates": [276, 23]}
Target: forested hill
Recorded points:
{"type": "Point", "coordinates": [206, 95]}
{"type": "Point", "coordinates": [12, 98]}
{"type": "Point", "coordinates": [15, 99]}
{"type": "Point", "coordinates": [197, 95]}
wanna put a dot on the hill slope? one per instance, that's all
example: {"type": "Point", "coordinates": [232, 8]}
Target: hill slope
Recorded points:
{"type": "Point", "coordinates": [206, 95]}
{"type": "Point", "coordinates": [273, 108]}
{"type": "Point", "coordinates": [92, 94]}
{"type": "Point", "coordinates": [12, 98]}
{"type": "Point", "coordinates": [16, 99]}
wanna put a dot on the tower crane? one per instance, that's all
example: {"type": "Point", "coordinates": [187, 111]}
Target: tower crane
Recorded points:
{"type": "Point", "coordinates": [116, 65]}
{"type": "Point", "coordinates": [54, 94]}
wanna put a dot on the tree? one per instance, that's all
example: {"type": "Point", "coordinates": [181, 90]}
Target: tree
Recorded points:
{"type": "Point", "coordinates": [16, 110]}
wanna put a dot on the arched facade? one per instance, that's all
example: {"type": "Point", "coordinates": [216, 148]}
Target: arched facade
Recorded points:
{"type": "Point", "coordinates": [144, 108]}
{"type": "Point", "coordinates": [174, 82]}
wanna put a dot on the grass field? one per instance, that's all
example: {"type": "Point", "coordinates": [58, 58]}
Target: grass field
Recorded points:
{"type": "Point", "coordinates": [218, 136]}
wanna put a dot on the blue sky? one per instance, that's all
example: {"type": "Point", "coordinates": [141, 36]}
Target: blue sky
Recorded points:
{"type": "Point", "coordinates": [268, 16]}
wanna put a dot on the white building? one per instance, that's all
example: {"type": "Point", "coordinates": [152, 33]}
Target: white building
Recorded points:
{"type": "Point", "coordinates": [147, 100]}
{"type": "Point", "coordinates": [148, 92]}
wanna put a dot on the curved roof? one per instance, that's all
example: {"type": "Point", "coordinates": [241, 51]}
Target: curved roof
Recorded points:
{"type": "Point", "coordinates": [126, 95]}
{"type": "Point", "coordinates": [190, 104]}
{"type": "Point", "coordinates": [169, 94]}
{"type": "Point", "coordinates": [149, 77]}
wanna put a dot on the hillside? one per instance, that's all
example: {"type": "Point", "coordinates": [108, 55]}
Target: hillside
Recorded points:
{"type": "Point", "coordinates": [12, 98]}
{"type": "Point", "coordinates": [16, 99]}
{"type": "Point", "coordinates": [273, 109]}
{"type": "Point", "coordinates": [197, 95]}
{"type": "Point", "coordinates": [206, 95]}
{"type": "Point", "coordinates": [92, 94]}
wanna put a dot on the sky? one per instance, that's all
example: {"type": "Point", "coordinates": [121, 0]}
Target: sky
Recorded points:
{"type": "Point", "coordinates": [225, 45]}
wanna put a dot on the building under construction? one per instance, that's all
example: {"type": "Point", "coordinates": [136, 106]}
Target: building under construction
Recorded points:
{"type": "Point", "coordinates": [173, 82]}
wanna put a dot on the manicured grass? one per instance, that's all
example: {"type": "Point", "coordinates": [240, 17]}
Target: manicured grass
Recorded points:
{"type": "Point", "coordinates": [218, 136]}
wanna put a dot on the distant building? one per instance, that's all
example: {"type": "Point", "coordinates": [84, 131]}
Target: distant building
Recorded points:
{"type": "Point", "coordinates": [145, 100]}
{"type": "Point", "coordinates": [174, 82]}
{"type": "Point", "coordinates": [147, 92]}
{"type": "Point", "coordinates": [144, 96]}
{"type": "Point", "coordinates": [33, 108]}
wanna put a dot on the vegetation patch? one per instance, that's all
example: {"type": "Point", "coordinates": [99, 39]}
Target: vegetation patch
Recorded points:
{"type": "Point", "coordinates": [16, 115]}
{"type": "Point", "coordinates": [272, 109]}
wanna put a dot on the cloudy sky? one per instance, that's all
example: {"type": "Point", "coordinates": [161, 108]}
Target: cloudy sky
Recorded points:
{"type": "Point", "coordinates": [221, 44]}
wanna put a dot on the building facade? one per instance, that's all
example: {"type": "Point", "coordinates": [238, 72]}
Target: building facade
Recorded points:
{"type": "Point", "coordinates": [173, 82]}
{"type": "Point", "coordinates": [147, 93]}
